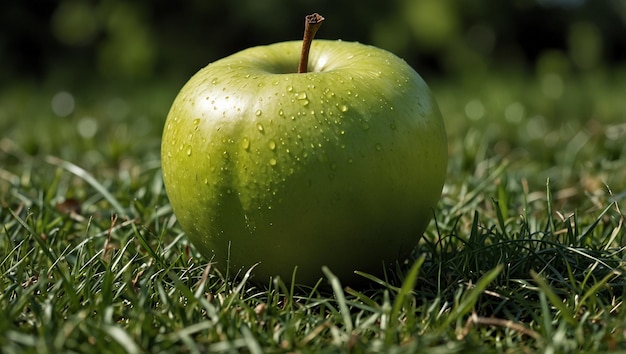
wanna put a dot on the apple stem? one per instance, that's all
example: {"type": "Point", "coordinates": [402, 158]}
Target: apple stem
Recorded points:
{"type": "Point", "coordinates": [311, 24]}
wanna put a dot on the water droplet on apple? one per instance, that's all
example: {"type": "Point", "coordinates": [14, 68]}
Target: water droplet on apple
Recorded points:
{"type": "Point", "coordinates": [289, 88]}
{"type": "Point", "coordinates": [259, 126]}
{"type": "Point", "coordinates": [206, 181]}
{"type": "Point", "coordinates": [245, 143]}
{"type": "Point", "coordinates": [272, 145]}
{"type": "Point", "coordinates": [378, 146]}
{"type": "Point", "coordinates": [258, 112]}
{"type": "Point", "coordinates": [304, 102]}
{"type": "Point", "coordinates": [275, 83]}
{"type": "Point", "coordinates": [365, 126]}
{"type": "Point", "coordinates": [214, 81]}
{"type": "Point", "coordinates": [188, 151]}
{"type": "Point", "coordinates": [301, 95]}
{"type": "Point", "coordinates": [393, 126]}
{"type": "Point", "coordinates": [273, 162]}
{"type": "Point", "coordinates": [225, 155]}
{"type": "Point", "coordinates": [343, 108]}
{"type": "Point", "coordinates": [281, 112]}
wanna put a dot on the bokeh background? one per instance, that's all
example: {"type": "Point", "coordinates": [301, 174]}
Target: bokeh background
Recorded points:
{"type": "Point", "coordinates": [517, 78]}
{"type": "Point", "coordinates": [78, 43]}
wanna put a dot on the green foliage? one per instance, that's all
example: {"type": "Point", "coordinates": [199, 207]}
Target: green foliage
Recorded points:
{"type": "Point", "coordinates": [114, 40]}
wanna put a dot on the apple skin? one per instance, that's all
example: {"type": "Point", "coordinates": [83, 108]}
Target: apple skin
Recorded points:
{"type": "Point", "coordinates": [341, 166]}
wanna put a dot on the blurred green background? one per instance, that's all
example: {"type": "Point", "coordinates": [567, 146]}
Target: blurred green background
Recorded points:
{"type": "Point", "coordinates": [518, 78]}
{"type": "Point", "coordinates": [77, 43]}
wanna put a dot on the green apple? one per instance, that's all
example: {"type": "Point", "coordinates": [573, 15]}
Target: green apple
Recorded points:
{"type": "Point", "coordinates": [340, 166]}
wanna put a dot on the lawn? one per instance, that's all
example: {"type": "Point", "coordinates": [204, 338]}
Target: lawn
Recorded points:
{"type": "Point", "coordinates": [526, 251]}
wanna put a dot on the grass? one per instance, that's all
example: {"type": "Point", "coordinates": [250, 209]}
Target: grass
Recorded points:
{"type": "Point", "coordinates": [526, 252]}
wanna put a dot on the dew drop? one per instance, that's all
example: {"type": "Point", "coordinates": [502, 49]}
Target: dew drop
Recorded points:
{"type": "Point", "coordinates": [214, 81]}
{"type": "Point", "coordinates": [378, 146]}
{"type": "Point", "coordinates": [304, 102]}
{"type": "Point", "coordinates": [225, 155]}
{"type": "Point", "coordinates": [289, 88]}
{"type": "Point", "coordinates": [281, 112]}
{"type": "Point", "coordinates": [343, 108]}
{"type": "Point", "coordinates": [365, 126]}
{"type": "Point", "coordinates": [196, 121]}
{"type": "Point", "coordinates": [259, 126]}
{"type": "Point", "coordinates": [188, 151]}
{"type": "Point", "coordinates": [273, 162]}
{"type": "Point", "coordinates": [258, 112]}
{"type": "Point", "coordinates": [245, 143]}
{"type": "Point", "coordinates": [301, 95]}
{"type": "Point", "coordinates": [272, 145]}
{"type": "Point", "coordinates": [393, 126]}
